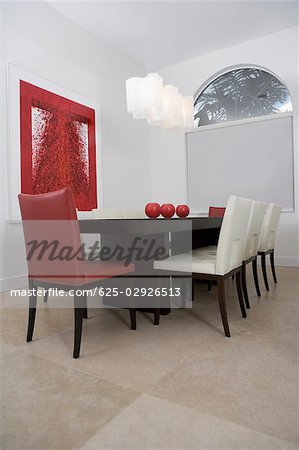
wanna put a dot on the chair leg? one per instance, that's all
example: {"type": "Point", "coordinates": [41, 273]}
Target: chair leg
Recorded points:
{"type": "Point", "coordinates": [32, 310]}
{"type": "Point", "coordinates": [222, 306]}
{"type": "Point", "coordinates": [46, 295]}
{"type": "Point", "coordinates": [264, 270]}
{"type": "Point", "coordinates": [78, 313]}
{"type": "Point", "coordinates": [156, 316]}
{"type": "Point", "coordinates": [244, 286]}
{"type": "Point", "coordinates": [209, 285]}
{"type": "Point", "coordinates": [273, 266]}
{"type": "Point", "coordinates": [84, 309]}
{"type": "Point", "coordinates": [157, 310]}
{"type": "Point", "coordinates": [255, 276]}
{"type": "Point", "coordinates": [193, 288]}
{"type": "Point", "coordinates": [240, 295]}
{"type": "Point", "coordinates": [133, 318]}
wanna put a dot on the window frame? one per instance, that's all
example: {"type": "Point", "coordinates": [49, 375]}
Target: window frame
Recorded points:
{"type": "Point", "coordinates": [231, 68]}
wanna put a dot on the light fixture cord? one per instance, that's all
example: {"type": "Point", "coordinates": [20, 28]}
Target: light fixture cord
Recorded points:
{"type": "Point", "coordinates": [171, 20]}
{"type": "Point", "coordinates": [151, 35]}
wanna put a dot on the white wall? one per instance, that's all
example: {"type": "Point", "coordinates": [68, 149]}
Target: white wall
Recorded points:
{"type": "Point", "coordinates": [277, 52]}
{"type": "Point", "coordinates": [38, 38]}
{"type": "Point", "coordinates": [3, 153]}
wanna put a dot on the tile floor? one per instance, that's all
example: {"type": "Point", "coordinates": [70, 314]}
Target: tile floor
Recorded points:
{"type": "Point", "coordinates": [179, 386]}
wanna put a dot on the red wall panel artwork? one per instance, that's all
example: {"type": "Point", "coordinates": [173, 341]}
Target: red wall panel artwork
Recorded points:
{"type": "Point", "coordinates": [58, 146]}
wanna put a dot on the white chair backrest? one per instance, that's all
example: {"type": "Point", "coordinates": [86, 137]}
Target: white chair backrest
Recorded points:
{"type": "Point", "coordinates": [107, 213]}
{"type": "Point", "coordinates": [230, 249]}
{"type": "Point", "coordinates": [269, 227]}
{"type": "Point", "coordinates": [134, 214]}
{"type": "Point", "coordinates": [254, 229]}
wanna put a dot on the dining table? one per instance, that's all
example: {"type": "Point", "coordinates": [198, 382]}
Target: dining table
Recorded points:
{"type": "Point", "coordinates": [198, 225]}
{"type": "Point", "coordinates": [175, 235]}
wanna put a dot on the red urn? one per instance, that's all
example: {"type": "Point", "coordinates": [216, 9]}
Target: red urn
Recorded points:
{"type": "Point", "coordinates": [182, 210]}
{"type": "Point", "coordinates": [167, 210]}
{"type": "Point", "coordinates": [153, 210]}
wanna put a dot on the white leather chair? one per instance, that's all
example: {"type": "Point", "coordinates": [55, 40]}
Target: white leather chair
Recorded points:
{"type": "Point", "coordinates": [260, 240]}
{"type": "Point", "coordinates": [251, 248]}
{"type": "Point", "coordinates": [225, 262]}
{"type": "Point", "coordinates": [253, 235]}
{"type": "Point", "coordinates": [267, 241]}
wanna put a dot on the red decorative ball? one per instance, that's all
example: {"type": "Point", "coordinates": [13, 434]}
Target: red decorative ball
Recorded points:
{"type": "Point", "coordinates": [167, 210]}
{"type": "Point", "coordinates": [153, 210]}
{"type": "Point", "coordinates": [182, 210]}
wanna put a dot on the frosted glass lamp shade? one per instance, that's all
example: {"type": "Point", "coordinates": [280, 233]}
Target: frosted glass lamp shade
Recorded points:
{"type": "Point", "coordinates": [134, 89]}
{"type": "Point", "coordinates": [144, 96]}
{"type": "Point", "coordinates": [152, 95]}
{"type": "Point", "coordinates": [148, 99]}
{"type": "Point", "coordinates": [171, 103]}
{"type": "Point", "coordinates": [187, 111]}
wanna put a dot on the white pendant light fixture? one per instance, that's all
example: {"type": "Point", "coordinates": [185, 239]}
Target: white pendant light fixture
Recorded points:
{"type": "Point", "coordinates": [171, 107]}
{"type": "Point", "coordinates": [188, 113]}
{"type": "Point", "coordinates": [164, 106]}
{"type": "Point", "coordinates": [134, 98]}
{"type": "Point", "coordinates": [144, 96]}
{"type": "Point", "coordinates": [148, 99]}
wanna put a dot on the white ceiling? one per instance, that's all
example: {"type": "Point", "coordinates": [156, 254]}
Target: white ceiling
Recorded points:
{"type": "Point", "coordinates": [158, 33]}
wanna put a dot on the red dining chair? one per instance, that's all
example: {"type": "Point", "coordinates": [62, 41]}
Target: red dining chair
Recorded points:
{"type": "Point", "coordinates": [216, 211]}
{"type": "Point", "coordinates": [50, 223]}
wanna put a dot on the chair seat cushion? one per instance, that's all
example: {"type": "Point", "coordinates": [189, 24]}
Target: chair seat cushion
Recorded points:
{"type": "Point", "coordinates": [89, 272]}
{"type": "Point", "coordinates": [188, 262]}
{"type": "Point", "coordinates": [209, 250]}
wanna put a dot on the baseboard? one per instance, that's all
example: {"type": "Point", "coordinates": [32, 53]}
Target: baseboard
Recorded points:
{"type": "Point", "coordinates": [6, 284]}
{"type": "Point", "coordinates": [289, 261]}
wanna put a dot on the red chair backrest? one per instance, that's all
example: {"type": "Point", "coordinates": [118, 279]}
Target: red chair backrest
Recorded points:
{"type": "Point", "coordinates": [216, 211]}
{"type": "Point", "coordinates": [49, 217]}
{"type": "Point", "coordinates": [56, 205]}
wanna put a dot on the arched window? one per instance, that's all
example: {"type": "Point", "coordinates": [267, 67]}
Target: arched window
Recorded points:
{"type": "Point", "coordinates": [241, 93]}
